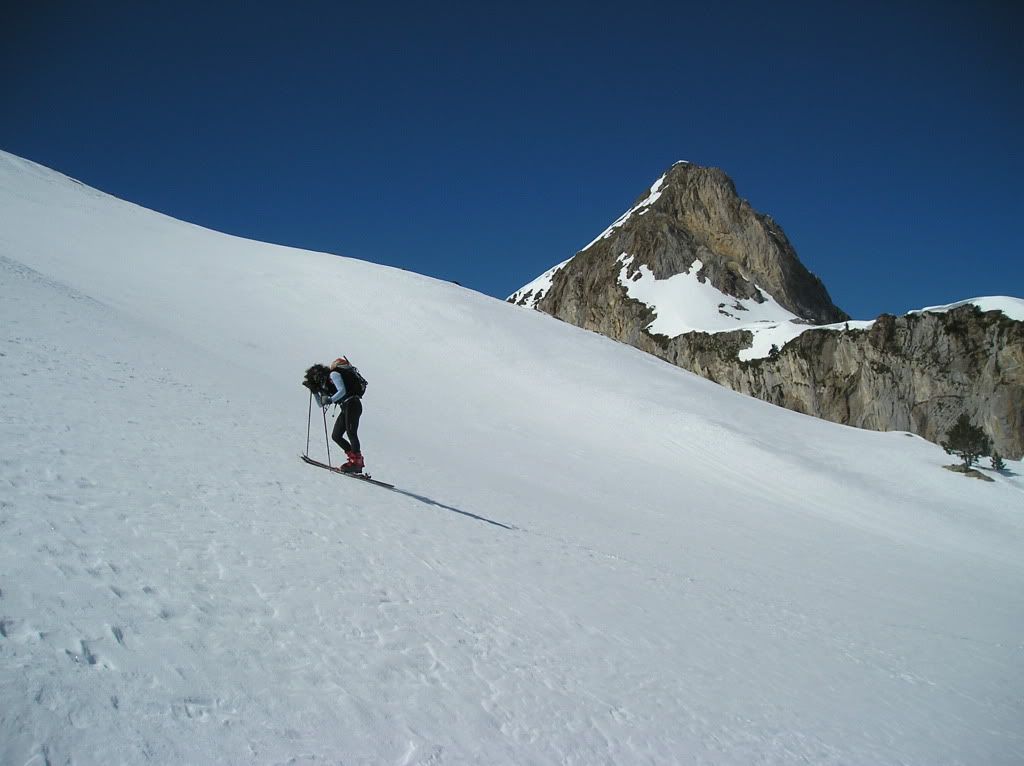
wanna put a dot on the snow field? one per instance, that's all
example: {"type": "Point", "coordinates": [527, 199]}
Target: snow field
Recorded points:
{"type": "Point", "coordinates": [689, 576]}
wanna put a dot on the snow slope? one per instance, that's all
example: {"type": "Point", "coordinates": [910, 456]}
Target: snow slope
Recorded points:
{"type": "Point", "coordinates": [598, 558]}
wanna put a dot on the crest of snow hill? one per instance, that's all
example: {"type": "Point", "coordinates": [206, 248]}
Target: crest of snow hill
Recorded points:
{"type": "Point", "coordinates": [693, 274]}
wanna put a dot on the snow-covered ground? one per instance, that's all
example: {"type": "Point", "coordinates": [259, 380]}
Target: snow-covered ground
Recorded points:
{"type": "Point", "coordinates": [597, 558]}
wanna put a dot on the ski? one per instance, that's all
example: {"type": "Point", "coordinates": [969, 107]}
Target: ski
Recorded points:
{"type": "Point", "coordinates": [362, 476]}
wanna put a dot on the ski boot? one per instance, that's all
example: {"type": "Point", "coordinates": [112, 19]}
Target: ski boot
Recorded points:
{"type": "Point", "coordinates": [355, 463]}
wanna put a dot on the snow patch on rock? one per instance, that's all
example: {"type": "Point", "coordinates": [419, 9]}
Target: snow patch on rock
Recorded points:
{"type": "Point", "coordinates": [1012, 307]}
{"type": "Point", "coordinates": [531, 294]}
{"type": "Point", "coordinates": [686, 303]}
{"type": "Point", "coordinates": [652, 196]}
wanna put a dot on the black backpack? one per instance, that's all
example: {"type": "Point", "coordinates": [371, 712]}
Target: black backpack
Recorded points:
{"type": "Point", "coordinates": [355, 383]}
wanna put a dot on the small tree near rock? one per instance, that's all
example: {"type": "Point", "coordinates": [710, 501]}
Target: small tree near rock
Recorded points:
{"type": "Point", "coordinates": [967, 441]}
{"type": "Point", "coordinates": [997, 462]}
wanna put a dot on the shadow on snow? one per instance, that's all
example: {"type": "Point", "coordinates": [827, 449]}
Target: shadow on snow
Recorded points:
{"type": "Point", "coordinates": [428, 501]}
{"type": "Point", "coordinates": [422, 498]}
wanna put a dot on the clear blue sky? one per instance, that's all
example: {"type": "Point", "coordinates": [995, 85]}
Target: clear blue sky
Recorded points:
{"type": "Point", "coordinates": [484, 143]}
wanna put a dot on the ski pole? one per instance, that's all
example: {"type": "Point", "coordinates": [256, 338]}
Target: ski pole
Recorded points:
{"type": "Point", "coordinates": [309, 421]}
{"type": "Point", "coordinates": [327, 439]}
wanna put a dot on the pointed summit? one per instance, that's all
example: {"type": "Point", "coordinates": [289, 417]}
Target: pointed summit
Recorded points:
{"type": "Point", "coordinates": [700, 251]}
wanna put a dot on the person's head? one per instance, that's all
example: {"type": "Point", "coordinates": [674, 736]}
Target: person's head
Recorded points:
{"type": "Point", "coordinates": [341, 361]}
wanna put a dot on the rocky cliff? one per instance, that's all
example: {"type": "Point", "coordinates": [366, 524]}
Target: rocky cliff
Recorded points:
{"type": "Point", "coordinates": [915, 373]}
{"type": "Point", "coordinates": [732, 270]}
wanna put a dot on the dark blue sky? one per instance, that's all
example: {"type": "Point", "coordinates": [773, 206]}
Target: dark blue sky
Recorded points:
{"type": "Point", "coordinates": [485, 143]}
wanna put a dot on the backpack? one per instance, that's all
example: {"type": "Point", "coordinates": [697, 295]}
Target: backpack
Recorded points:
{"type": "Point", "coordinates": [355, 383]}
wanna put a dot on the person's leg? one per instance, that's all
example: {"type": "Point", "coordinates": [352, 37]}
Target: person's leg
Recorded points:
{"type": "Point", "coordinates": [353, 410]}
{"type": "Point", "coordinates": [339, 432]}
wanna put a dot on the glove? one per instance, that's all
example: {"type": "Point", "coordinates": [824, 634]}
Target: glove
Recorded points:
{"type": "Point", "coordinates": [325, 401]}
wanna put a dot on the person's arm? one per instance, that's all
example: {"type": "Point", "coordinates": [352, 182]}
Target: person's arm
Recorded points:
{"type": "Point", "coordinates": [339, 383]}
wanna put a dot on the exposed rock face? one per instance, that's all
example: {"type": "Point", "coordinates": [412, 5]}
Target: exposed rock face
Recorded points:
{"type": "Point", "coordinates": [912, 373]}
{"type": "Point", "coordinates": [916, 373]}
{"type": "Point", "coordinates": [692, 214]}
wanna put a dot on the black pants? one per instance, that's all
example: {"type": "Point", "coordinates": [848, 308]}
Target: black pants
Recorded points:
{"type": "Point", "coordinates": [348, 422]}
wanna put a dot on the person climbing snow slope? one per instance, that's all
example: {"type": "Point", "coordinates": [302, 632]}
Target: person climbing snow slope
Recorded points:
{"type": "Point", "coordinates": [349, 387]}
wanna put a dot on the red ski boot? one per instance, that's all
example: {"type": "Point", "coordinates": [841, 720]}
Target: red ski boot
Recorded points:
{"type": "Point", "coordinates": [355, 463]}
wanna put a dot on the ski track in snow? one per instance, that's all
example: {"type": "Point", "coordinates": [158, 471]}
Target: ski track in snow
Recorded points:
{"type": "Point", "coordinates": [177, 588]}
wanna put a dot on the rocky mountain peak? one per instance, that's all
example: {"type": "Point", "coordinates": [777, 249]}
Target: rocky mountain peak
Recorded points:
{"type": "Point", "coordinates": [691, 221]}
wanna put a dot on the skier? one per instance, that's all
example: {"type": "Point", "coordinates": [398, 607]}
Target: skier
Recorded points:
{"type": "Point", "coordinates": [350, 386]}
